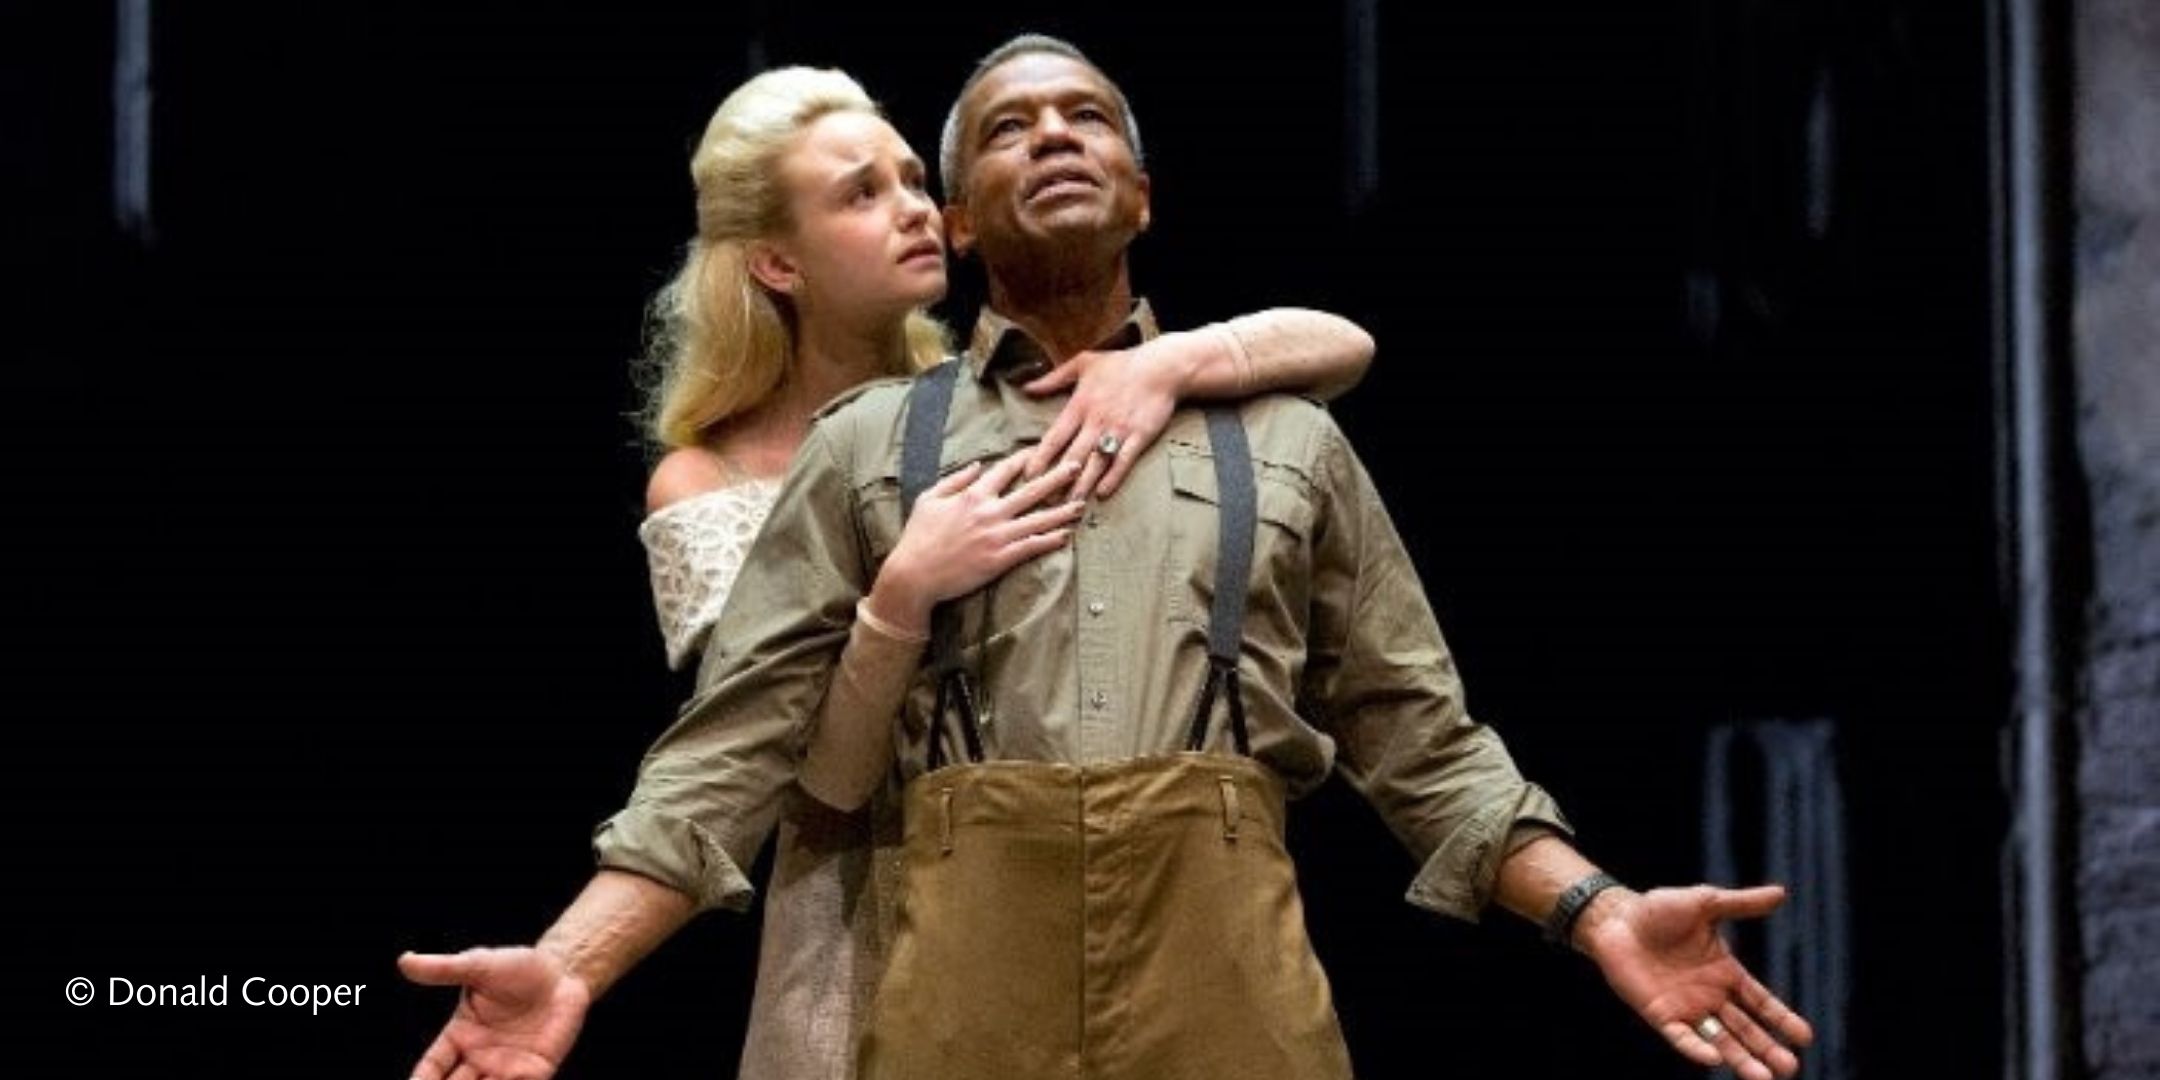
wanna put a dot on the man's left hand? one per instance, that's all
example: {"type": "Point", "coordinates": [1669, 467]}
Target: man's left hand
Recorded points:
{"type": "Point", "coordinates": [1661, 952]}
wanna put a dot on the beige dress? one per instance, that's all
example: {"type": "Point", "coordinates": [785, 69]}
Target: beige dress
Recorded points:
{"type": "Point", "coordinates": [826, 914]}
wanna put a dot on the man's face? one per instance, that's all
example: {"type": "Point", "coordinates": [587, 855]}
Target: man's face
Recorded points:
{"type": "Point", "coordinates": [1046, 167]}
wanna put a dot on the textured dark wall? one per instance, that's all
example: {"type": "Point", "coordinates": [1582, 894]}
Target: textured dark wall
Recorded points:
{"type": "Point", "coordinates": [2117, 333]}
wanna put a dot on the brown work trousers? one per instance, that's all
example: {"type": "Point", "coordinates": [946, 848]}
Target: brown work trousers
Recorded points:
{"type": "Point", "coordinates": [1136, 920]}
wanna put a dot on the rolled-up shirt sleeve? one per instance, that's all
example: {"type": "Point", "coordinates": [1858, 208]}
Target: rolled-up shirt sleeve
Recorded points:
{"type": "Point", "coordinates": [1380, 680]}
{"type": "Point", "coordinates": [710, 788]}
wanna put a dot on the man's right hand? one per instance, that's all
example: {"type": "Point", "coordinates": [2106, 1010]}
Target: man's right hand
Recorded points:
{"type": "Point", "coordinates": [518, 1012]}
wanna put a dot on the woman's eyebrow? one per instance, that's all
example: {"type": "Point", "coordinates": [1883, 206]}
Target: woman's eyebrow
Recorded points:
{"type": "Point", "coordinates": [859, 172]}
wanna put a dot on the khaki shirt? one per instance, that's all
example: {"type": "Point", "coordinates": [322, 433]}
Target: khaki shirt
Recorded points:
{"type": "Point", "coordinates": [1095, 652]}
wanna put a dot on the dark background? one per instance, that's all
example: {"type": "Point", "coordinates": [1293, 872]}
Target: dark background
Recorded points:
{"type": "Point", "coordinates": [332, 633]}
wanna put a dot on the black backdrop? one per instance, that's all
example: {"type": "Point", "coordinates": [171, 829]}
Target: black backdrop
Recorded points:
{"type": "Point", "coordinates": [331, 631]}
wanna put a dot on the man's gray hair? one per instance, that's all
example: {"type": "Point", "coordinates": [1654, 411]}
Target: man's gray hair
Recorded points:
{"type": "Point", "coordinates": [1023, 45]}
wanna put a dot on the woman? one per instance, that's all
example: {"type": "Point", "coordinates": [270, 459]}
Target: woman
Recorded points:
{"type": "Point", "coordinates": [817, 248]}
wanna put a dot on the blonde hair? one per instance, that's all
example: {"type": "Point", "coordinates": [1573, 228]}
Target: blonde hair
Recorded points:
{"type": "Point", "coordinates": [718, 344]}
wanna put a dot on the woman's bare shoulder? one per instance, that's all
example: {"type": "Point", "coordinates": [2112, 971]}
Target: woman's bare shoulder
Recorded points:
{"type": "Point", "coordinates": [685, 472]}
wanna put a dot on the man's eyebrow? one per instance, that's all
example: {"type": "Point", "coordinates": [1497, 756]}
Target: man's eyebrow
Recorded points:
{"type": "Point", "coordinates": [997, 107]}
{"type": "Point", "coordinates": [1035, 96]}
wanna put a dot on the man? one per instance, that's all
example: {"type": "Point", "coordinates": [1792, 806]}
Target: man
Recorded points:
{"type": "Point", "coordinates": [1099, 888]}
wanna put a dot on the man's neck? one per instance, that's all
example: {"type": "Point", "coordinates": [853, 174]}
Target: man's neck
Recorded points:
{"type": "Point", "coordinates": [1067, 310]}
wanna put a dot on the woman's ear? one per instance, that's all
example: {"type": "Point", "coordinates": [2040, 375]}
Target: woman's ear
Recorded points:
{"type": "Point", "coordinates": [773, 268]}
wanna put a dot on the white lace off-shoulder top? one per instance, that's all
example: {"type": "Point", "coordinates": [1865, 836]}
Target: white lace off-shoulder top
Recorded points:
{"type": "Point", "coordinates": [695, 547]}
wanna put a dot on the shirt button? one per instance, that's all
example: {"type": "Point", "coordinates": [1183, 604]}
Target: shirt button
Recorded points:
{"type": "Point", "coordinates": [1097, 607]}
{"type": "Point", "coordinates": [1099, 699]}
{"type": "Point", "coordinates": [1092, 521]}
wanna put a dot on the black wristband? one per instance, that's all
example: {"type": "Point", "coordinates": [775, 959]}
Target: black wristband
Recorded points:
{"type": "Point", "coordinates": [1560, 925]}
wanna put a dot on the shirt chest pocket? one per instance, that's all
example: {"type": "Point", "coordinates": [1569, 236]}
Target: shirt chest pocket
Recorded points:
{"type": "Point", "coordinates": [877, 504]}
{"type": "Point", "coordinates": [1279, 592]}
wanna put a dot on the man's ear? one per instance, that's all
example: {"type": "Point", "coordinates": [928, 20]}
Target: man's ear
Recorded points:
{"type": "Point", "coordinates": [772, 267]}
{"type": "Point", "coordinates": [1147, 210]}
{"type": "Point", "coordinates": [959, 229]}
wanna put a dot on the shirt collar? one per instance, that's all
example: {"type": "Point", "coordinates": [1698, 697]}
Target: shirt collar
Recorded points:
{"type": "Point", "coordinates": [999, 346]}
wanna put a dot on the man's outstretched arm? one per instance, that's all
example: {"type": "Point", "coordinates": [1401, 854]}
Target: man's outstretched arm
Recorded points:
{"type": "Point", "coordinates": [519, 1009]}
{"type": "Point", "coordinates": [1661, 952]}
{"type": "Point", "coordinates": [615, 922]}
{"type": "Point", "coordinates": [1380, 678]}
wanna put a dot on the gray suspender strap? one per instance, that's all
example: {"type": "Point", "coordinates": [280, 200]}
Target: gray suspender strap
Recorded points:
{"type": "Point", "coordinates": [1240, 516]}
{"type": "Point", "coordinates": [922, 443]}
{"type": "Point", "coordinates": [1238, 504]}
{"type": "Point", "coordinates": [929, 400]}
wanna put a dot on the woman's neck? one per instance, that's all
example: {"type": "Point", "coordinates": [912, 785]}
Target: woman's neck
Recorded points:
{"type": "Point", "coordinates": [829, 361]}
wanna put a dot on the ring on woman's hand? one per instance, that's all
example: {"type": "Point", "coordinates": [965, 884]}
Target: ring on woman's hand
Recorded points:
{"type": "Point", "coordinates": [1709, 1028]}
{"type": "Point", "coordinates": [1108, 445]}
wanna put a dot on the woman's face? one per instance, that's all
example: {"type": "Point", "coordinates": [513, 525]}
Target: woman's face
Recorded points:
{"type": "Point", "coordinates": [867, 241]}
